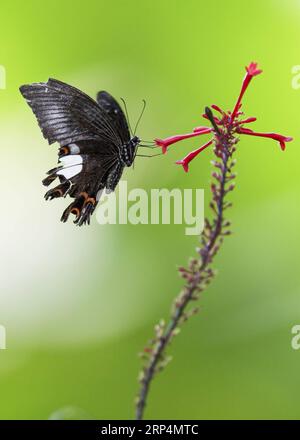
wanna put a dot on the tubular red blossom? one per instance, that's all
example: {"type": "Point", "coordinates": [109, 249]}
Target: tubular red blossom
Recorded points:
{"type": "Point", "coordinates": [202, 129]}
{"type": "Point", "coordinates": [252, 71]}
{"type": "Point", "coordinates": [217, 108]}
{"type": "Point", "coordinates": [164, 143]}
{"type": "Point", "coordinates": [277, 137]}
{"type": "Point", "coordinates": [225, 127]}
{"type": "Point", "coordinates": [187, 159]}
{"type": "Point", "coordinates": [247, 121]}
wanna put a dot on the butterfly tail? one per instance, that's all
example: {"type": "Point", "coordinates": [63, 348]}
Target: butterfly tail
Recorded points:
{"type": "Point", "coordinates": [59, 191]}
{"type": "Point", "coordinates": [83, 207]}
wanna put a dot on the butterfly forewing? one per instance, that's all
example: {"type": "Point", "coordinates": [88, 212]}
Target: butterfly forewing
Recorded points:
{"type": "Point", "coordinates": [115, 114]}
{"type": "Point", "coordinates": [66, 115]}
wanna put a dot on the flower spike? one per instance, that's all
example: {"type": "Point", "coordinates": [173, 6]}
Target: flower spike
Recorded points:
{"type": "Point", "coordinates": [225, 127]}
{"type": "Point", "coordinates": [199, 272]}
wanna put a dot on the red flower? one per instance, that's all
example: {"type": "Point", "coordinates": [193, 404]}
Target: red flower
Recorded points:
{"type": "Point", "coordinates": [187, 159]}
{"type": "Point", "coordinates": [252, 69]}
{"type": "Point", "coordinates": [217, 108]}
{"type": "Point", "coordinates": [277, 137]}
{"type": "Point", "coordinates": [225, 127]}
{"type": "Point", "coordinates": [251, 72]}
{"type": "Point", "coordinates": [202, 129]}
{"type": "Point", "coordinates": [164, 143]}
{"type": "Point", "coordinates": [247, 121]}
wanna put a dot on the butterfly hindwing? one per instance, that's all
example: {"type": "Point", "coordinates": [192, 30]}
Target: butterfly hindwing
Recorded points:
{"type": "Point", "coordinates": [82, 175]}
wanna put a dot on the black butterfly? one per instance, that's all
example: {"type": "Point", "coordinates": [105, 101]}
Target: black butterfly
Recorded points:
{"type": "Point", "coordinates": [94, 138]}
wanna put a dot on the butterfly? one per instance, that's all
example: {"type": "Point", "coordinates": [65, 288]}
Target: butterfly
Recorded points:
{"type": "Point", "coordinates": [95, 143]}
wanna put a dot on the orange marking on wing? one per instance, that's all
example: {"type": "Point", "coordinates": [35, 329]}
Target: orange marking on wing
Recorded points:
{"type": "Point", "coordinates": [64, 150]}
{"type": "Point", "coordinates": [60, 191]}
{"type": "Point", "coordinates": [90, 200]}
{"type": "Point", "coordinates": [75, 211]}
{"type": "Point", "coordinates": [84, 194]}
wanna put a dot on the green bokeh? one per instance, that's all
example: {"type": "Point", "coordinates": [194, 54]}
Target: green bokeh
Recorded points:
{"type": "Point", "coordinates": [78, 305]}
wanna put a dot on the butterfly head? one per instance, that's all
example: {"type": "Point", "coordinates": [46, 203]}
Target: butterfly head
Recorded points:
{"type": "Point", "coordinates": [128, 151]}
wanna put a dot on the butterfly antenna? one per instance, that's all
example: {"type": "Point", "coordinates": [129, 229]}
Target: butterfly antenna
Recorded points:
{"type": "Point", "coordinates": [140, 117]}
{"type": "Point", "coordinates": [127, 117]}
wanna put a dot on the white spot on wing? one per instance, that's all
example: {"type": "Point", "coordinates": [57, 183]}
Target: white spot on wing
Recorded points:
{"type": "Point", "coordinates": [74, 149]}
{"type": "Point", "coordinates": [72, 165]}
{"type": "Point", "coordinates": [70, 171]}
{"type": "Point", "coordinates": [71, 159]}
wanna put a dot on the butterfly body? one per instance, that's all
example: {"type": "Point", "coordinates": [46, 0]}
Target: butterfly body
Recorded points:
{"type": "Point", "coordinates": [94, 138]}
{"type": "Point", "coordinates": [127, 151]}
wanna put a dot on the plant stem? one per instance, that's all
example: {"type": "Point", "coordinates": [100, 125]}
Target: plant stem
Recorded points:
{"type": "Point", "coordinates": [197, 277]}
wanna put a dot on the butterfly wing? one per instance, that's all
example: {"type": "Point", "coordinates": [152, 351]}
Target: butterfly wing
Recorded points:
{"type": "Point", "coordinates": [89, 139]}
{"type": "Point", "coordinates": [115, 114]}
{"type": "Point", "coordinates": [84, 171]}
{"type": "Point", "coordinates": [66, 115]}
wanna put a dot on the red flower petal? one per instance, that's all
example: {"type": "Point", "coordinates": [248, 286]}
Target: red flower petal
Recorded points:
{"type": "Point", "coordinates": [187, 159]}
{"type": "Point", "coordinates": [202, 129]}
{"type": "Point", "coordinates": [164, 143]}
{"type": "Point", "coordinates": [247, 121]}
{"type": "Point", "coordinates": [251, 72]}
{"type": "Point", "coordinates": [252, 69]}
{"type": "Point", "coordinates": [217, 108]}
{"type": "Point", "coordinates": [275, 136]}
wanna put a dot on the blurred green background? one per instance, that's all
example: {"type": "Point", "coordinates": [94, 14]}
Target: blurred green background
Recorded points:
{"type": "Point", "coordinates": [79, 304]}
